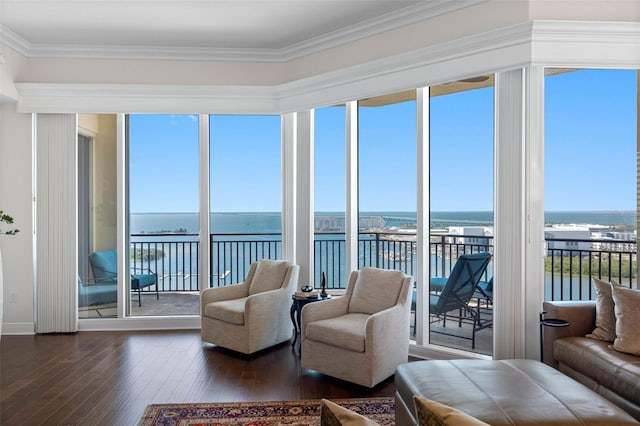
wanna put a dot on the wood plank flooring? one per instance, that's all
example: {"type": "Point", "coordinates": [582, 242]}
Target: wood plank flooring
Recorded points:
{"type": "Point", "coordinates": [108, 378]}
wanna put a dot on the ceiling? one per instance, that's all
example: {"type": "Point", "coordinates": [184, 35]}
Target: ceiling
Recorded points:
{"type": "Point", "coordinates": [41, 26]}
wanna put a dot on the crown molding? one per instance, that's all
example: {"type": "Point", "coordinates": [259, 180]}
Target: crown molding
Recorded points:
{"type": "Point", "coordinates": [111, 98]}
{"type": "Point", "coordinates": [411, 14]}
{"type": "Point", "coordinates": [540, 43]}
{"type": "Point", "coordinates": [14, 41]}
{"type": "Point", "coordinates": [489, 52]}
{"type": "Point", "coordinates": [586, 44]}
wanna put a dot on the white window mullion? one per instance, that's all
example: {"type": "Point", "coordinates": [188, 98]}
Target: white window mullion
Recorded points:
{"type": "Point", "coordinates": [534, 201]}
{"type": "Point", "coordinates": [351, 219]}
{"type": "Point", "coordinates": [304, 196]}
{"type": "Point", "coordinates": [422, 215]}
{"type": "Point", "coordinates": [122, 211]}
{"type": "Point", "coordinates": [205, 202]}
{"type": "Point", "coordinates": [289, 175]}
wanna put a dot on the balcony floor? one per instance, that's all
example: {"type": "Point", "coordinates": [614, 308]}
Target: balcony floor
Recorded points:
{"type": "Point", "coordinates": [187, 303]}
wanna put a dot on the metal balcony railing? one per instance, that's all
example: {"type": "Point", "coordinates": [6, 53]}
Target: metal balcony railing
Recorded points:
{"type": "Point", "coordinates": [570, 264]}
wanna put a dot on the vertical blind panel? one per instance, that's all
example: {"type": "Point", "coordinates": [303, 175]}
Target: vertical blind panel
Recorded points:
{"type": "Point", "coordinates": [56, 224]}
{"type": "Point", "coordinates": [509, 234]}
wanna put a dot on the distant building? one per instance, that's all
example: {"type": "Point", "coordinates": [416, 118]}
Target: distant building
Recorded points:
{"type": "Point", "coordinates": [567, 233]}
{"type": "Point", "coordinates": [329, 224]}
{"type": "Point", "coordinates": [472, 235]}
{"type": "Point", "coordinates": [615, 241]}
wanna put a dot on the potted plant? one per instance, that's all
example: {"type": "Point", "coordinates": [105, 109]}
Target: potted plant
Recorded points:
{"type": "Point", "coordinates": [5, 219]}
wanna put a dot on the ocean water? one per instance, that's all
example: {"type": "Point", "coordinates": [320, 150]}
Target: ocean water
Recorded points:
{"type": "Point", "coordinates": [230, 259]}
{"type": "Point", "coordinates": [247, 223]}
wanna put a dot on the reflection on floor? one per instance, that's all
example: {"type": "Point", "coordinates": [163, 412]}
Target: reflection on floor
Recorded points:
{"type": "Point", "coordinates": [187, 303]}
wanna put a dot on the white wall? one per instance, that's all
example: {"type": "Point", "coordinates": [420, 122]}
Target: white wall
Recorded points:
{"type": "Point", "coordinates": [15, 200]}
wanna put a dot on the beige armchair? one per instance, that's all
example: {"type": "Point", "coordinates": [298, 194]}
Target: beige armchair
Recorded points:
{"type": "Point", "coordinates": [362, 336]}
{"type": "Point", "coordinates": [252, 315]}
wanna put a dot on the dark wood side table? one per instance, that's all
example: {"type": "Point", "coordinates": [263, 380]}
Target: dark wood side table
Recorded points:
{"type": "Point", "coordinates": [296, 310]}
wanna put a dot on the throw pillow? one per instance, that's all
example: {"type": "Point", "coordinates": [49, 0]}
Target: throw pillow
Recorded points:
{"type": "Point", "coordinates": [432, 413]}
{"type": "Point", "coordinates": [605, 315]}
{"type": "Point", "coordinates": [375, 290]}
{"type": "Point", "coordinates": [269, 276]}
{"type": "Point", "coordinates": [627, 307]}
{"type": "Point", "coordinates": [332, 414]}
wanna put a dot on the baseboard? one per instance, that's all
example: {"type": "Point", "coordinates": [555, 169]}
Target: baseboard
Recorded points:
{"type": "Point", "coordinates": [140, 323]}
{"type": "Point", "coordinates": [18, 328]}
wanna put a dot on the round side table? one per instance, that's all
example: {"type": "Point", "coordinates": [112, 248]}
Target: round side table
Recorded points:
{"type": "Point", "coordinates": [549, 322]}
{"type": "Point", "coordinates": [296, 309]}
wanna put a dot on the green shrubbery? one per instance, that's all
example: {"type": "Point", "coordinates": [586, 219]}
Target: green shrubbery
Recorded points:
{"type": "Point", "coordinates": [576, 265]}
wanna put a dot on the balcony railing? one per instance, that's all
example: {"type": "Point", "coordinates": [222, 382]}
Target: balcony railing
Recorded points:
{"type": "Point", "coordinates": [174, 257]}
{"type": "Point", "coordinates": [569, 265]}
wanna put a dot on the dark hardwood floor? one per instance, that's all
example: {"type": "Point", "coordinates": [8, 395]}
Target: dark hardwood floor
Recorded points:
{"type": "Point", "coordinates": [108, 378]}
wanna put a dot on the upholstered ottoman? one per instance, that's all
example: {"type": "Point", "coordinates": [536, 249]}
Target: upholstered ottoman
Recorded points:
{"type": "Point", "coordinates": [506, 392]}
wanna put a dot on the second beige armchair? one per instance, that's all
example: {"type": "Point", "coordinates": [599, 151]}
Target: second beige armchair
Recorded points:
{"type": "Point", "coordinates": [362, 336]}
{"type": "Point", "coordinates": [252, 315]}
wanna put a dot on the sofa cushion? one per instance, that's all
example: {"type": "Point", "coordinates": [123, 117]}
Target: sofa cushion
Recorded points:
{"type": "Point", "coordinates": [613, 370]}
{"type": "Point", "coordinates": [432, 413]}
{"type": "Point", "coordinates": [627, 308]}
{"type": "Point", "coordinates": [375, 290]}
{"type": "Point", "coordinates": [605, 314]}
{"type": "Point", "coordinates": [346, 331]}
{"type": "Point", "coordinates": [332, 414]}
{"type": "Point", "coordinates": [231, 311]}
{"type": "Point", "coordinates": [269, 275]}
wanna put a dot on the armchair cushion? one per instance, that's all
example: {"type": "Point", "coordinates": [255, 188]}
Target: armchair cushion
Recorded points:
{"type": "Point", "coordinates": [375, 290]}
{"type": "Point", "coordinates": [231, 311]}
{"type": "Point", "coordinates": [269, 275]}
{"type": "Point", "coordinates": [346, 331]}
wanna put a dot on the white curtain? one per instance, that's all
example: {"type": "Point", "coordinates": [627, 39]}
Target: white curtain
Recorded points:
{"type": "Point", "coordinates": [56, 223]}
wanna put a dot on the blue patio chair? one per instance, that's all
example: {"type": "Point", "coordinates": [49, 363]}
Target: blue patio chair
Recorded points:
{"type": "Point", "coordinates": [459, 289]}
{"type": "Point", "coordinates": [104, 265]}
{"type": "Point", "coordinates": [96, 294]}
{"type": "Point", "coordinates": [484, 291]}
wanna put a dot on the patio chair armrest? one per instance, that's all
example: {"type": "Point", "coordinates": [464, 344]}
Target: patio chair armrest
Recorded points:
{"type": "Point", "coordinates": [143, 271]}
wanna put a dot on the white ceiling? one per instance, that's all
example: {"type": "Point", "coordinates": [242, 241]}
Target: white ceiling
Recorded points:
{"type": "Point", "coordinates": [41, 26]}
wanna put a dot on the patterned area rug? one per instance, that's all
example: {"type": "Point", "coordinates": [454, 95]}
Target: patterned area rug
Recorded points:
{"type": "Point", "coordinates": [266, 413]}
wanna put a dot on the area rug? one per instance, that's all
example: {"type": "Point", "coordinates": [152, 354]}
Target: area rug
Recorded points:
{"type": "Point", "coordinates": [263, 413]}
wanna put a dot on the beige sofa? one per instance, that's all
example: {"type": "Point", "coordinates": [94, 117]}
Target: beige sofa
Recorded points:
{"type": "Point", "coordinates": [612, 374]}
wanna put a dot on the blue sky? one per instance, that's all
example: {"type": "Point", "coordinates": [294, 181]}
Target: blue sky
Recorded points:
{"type": "Point", "coordinates": [590, 153]}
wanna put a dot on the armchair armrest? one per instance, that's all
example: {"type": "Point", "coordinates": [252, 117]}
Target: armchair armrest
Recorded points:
{"type": "Point", "coordinates": [581, 315]}
{"type": "Point", "coordinates": [216, 294]}
{"type": "Point", "coordinates": [386, 329]}
{"type": "Point", "coordinates": [324, 309]}
{"type": "Point", "coordinates": [266, 304]}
